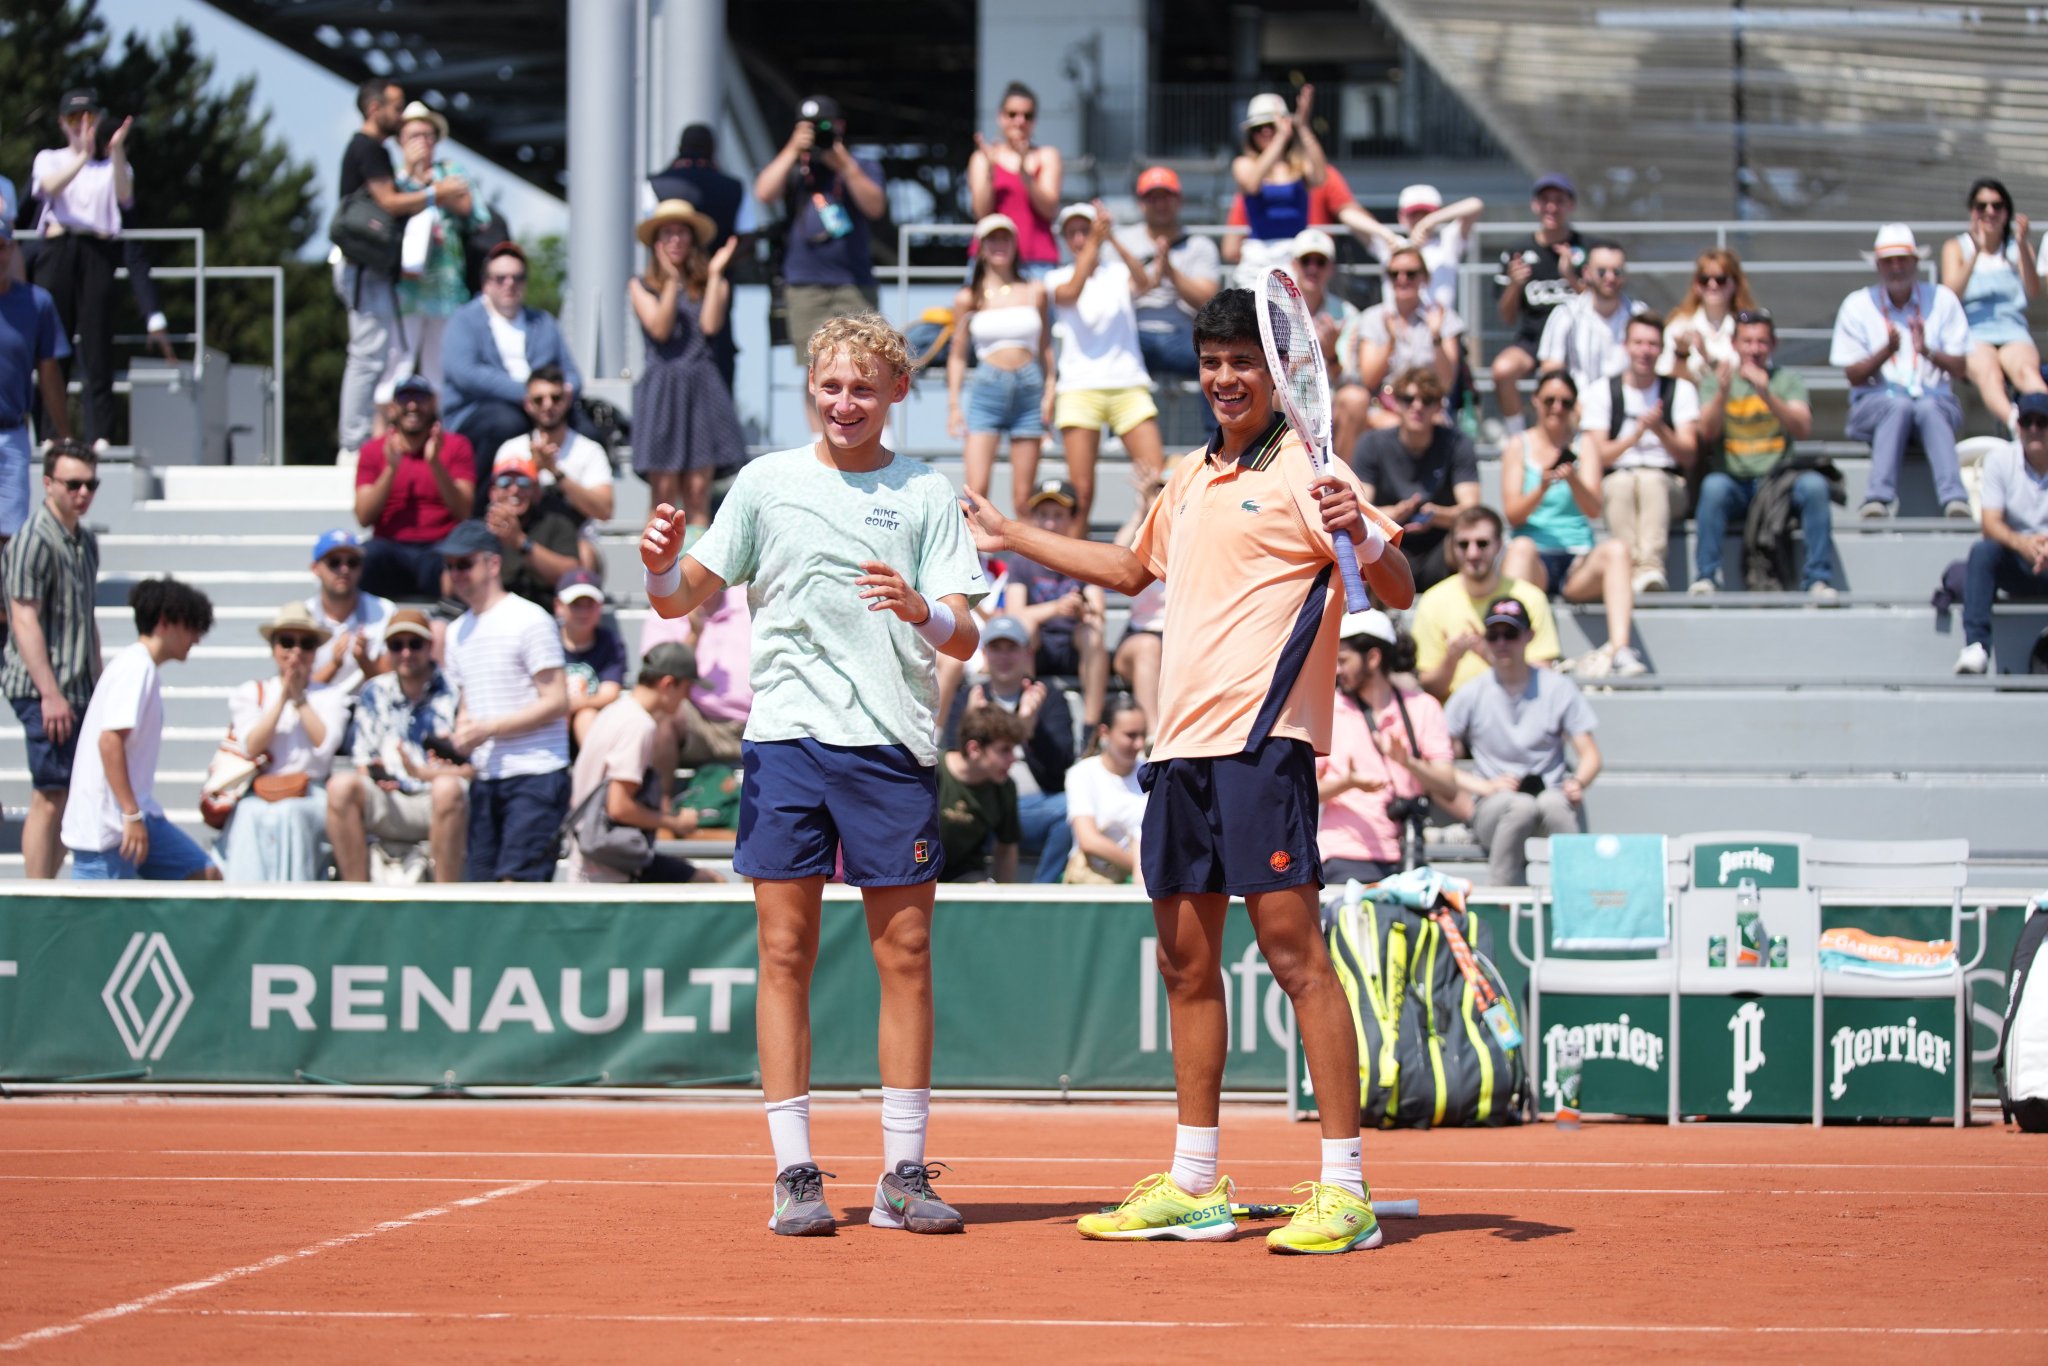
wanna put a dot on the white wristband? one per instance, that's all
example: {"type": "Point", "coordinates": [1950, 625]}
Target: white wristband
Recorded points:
{"type": "Point", "coordinates": [1374, 545]}
{"type": "Point", "coordinates": [937, 627]}
{"type": "Point", "coordinates": [667, 581]}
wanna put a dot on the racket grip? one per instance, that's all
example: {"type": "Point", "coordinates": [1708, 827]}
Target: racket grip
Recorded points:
{"type": "Point", "coordinates": [1397, 1209]}
{"type": "Point", "coordinates": [1355, 599]}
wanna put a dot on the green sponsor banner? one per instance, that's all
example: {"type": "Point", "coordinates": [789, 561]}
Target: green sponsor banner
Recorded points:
{"type": "Point", "coordinates": [1625, 1041]}
{"type": "Point", "coordinates": [1726, 865]}
{"type": "Point", "coordinates": [1888, 1059]}
{"type": "Point", "coordinates": [1034, 990]}
{"type": "Point", "coordinates": [1746, 1057]}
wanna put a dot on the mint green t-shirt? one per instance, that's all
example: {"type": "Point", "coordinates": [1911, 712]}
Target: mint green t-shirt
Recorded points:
{"type": "Point", "coordinates": [825, 668]}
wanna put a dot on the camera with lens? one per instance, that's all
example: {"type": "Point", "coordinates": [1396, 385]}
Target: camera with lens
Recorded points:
{"type": "Point", "coordinates": [822, 113]}
{"type": "Point", "coordinates": [1403, 809]}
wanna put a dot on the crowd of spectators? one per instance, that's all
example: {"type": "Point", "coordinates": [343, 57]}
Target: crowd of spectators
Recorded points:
{"type": "Point", "coordinates": [452, 700]}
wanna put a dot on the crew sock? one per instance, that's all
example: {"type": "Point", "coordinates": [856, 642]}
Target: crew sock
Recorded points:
{"type": "Point", "coordinates": [1342, 1166]}
{"type": "Point", "coordinates": [789, 1129]}
{"type": "Point", "coordinates": [1194, 1158]}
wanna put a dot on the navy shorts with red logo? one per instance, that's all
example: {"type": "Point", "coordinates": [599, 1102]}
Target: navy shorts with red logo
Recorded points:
{"type": "Point", "coordinates": [803, 802]}
{"type": "Point", "coordinates": [1236, 824]}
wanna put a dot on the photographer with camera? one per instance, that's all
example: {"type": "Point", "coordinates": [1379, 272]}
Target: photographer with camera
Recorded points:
{"type": "Point", "coordinates": [829, 197]}
{"type": "Point", "coordinates": [1390, 756]}
{"type": "Point", "coordinates": [1514, 722]}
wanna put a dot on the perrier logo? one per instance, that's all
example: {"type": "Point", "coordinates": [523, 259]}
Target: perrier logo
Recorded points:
{"type": "Point", "coordinates": [1907, 1043]}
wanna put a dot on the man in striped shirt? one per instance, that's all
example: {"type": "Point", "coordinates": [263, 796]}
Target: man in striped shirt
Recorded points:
{"type": "Point", "coordinates": [504, 657]}
{"type": "Point", "coordinates": [53, 647]}
{"type": "Point", "coordinates": [1585, 336]}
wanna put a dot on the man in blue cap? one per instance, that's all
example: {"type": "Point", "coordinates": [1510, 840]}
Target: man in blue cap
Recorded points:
{"type": "Point", "coordinates": [504, 659]}
{"type": "Point", "coordinates": [355, 620]}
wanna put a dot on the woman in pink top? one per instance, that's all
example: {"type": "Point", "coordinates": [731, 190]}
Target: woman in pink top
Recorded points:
{"type": "Point", "coordinates": [1016, 178]}
{"type": "Point", "coordinates": [1388, 746]}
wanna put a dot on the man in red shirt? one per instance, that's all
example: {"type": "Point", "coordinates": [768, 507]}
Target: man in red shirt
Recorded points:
{"type": "Point", "coordinates": [413, 484]}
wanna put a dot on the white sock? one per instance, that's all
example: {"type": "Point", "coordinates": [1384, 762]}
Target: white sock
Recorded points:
{"type": "Point", "coordinates": [1516, 425]}
{"type": "Point", "coordinates": [1342, 1166]}
{"type": "Point", "coordinates": [1194, 1158]}
{"type": "Point", "coordinates": [906, 1114]}
{"type": "Point", "coordinates": [789, 1129]}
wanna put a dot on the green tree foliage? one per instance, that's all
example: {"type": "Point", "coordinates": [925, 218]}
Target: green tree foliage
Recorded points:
{"type": "Point", "coordinates": [203, 158]}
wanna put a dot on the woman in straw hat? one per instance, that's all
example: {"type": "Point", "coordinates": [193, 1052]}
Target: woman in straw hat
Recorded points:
{"type": "Point", "coordinates": [684, 425]}
{"type": "Point", "coordinates": [434, 283]}
{"type": "Point", "coordinates": [1285, 184]}
{"type": "Point", "coordinates": [292, 726]}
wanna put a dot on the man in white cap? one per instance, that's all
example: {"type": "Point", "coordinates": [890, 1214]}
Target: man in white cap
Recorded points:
{"type": "Point", "coordinates": [1443, 233]}
{"type": "Point", "coordinates": [1900, 342]}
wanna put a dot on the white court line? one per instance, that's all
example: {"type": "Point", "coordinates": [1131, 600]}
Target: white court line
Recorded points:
{"type": "Point", "coordinates": [1069, 1188]}
{"type": "Point", "coordinates": [1375, 1163]}
{"type": "Point", "coordinates": [150, 1301]}
{"type": "Point", "coordinates": [960, 1321]}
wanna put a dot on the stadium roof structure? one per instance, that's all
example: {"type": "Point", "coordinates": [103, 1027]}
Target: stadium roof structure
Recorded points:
{"type": "Point", "coordinates": [1872, 111]}
{"type": "Point", "coordinates": [498, 69]}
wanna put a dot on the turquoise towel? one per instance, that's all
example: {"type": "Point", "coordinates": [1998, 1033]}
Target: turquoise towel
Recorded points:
{"type": "Point", "coordinates": [1417, 889]}
{"type": "Point", "coordinates": [1608, 892]}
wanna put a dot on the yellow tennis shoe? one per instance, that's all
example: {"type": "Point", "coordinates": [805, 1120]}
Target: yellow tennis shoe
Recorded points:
{"type": "Point", "coordinates": [1326, 1219]}
{"type": "Point", "coordinates": [1157, 1209]}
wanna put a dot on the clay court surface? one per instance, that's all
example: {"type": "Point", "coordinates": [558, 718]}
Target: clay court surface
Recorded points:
{"type": "Point", "coordinates": [188, 1231]}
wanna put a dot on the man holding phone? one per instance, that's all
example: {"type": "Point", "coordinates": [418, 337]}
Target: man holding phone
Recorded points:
{"type": "Point", "coordinates": [406, 788]}
{"type": "Point", "coordinates": [1514, 721]}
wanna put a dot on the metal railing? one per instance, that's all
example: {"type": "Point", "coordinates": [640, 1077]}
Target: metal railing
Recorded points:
{"type": "Point", "coordinates": [200, 273]}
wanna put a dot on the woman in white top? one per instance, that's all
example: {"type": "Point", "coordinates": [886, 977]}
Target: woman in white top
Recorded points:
{"type": "Point", "coordinates": [1102, 377]}
{"type": "Point", "coordinates": [84, 190]}
{"type": "Point", "coordinates": [277, 831]}
{"type": "Point", "coordinates": [1105, 804]}
{"type": "Point", "coordinates": [1699, 336]}
{"type": "Point", "coordinates": [1005, 318]}
{"type": "Point", "coordinates": [1406, 330]}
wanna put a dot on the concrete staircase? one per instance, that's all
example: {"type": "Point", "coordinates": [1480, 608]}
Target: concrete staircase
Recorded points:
{"type": "Point", "coordinates": [1765, 711]}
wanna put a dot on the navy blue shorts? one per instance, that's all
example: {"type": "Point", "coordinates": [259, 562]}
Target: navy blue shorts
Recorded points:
{"type": "Point", "coordinates": [49, 766]}
{"type": "Point", "coordinates": [804, 803]}
{"type": "Point", "coordinates": [1237, 824]}
{"type": "Point", "coordinates": [515, 827]}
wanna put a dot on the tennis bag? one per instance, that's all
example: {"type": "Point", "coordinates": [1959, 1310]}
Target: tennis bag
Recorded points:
{"type": "Point", "coordinates": [2021, 1068]}
{"type": "Point", "coordinates": [1439, 1043]}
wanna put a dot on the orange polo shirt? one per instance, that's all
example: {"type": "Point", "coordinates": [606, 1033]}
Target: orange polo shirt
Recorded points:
{"type": "Point", "coordinates": [1253, 602]}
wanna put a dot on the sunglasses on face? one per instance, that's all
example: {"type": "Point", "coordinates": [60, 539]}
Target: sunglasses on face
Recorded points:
{"type": "Point", "coordinates": [460, 564]}
{"type": "Point", "coordinates": [547, 400]}
{"type": "Point", "coordinates": [1553, 401]}
{"type": "Point", "coordinates": [1407, 275]}
{"type": "Point", "coordinates": [401, 644]}
{"type": "Point", "coordinates": [1319, 262]}
{"type": "Point", "coordinates": [2033, 424]}
{"type": "Point", "coordinates": [1503, 633]}
{"type": "Point", "coordinates": [1712, 281]}
{"type": "Point", "coordinates": [1027, 115]}
{"type": "Point", "coordinates": [1609, 272]}
{"type": "Point", "coordinates": [501, 278]}
{"type": "Point", "coordinates": [1412, 401]}
{"type": "Point", "coordinates": [286, 642]}
{"type": "Point", "coordinates": [343, 564]}
{"type": "Point", "coordinates": [1475, 545]}
{"type": "Point", "coordinates": [1987, 206]}
{"type": "Point", "coordinates": [511, 481]}
{"type": "Point", "coordinates": [74, 485]}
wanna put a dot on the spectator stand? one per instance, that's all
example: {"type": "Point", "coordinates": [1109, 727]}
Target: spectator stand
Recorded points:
{"type": "Point", "coordinates": [1685, 1031]}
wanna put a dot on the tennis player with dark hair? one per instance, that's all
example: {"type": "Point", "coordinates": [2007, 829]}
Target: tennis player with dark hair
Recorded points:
{"type": "Point", "coordinates": [862, 571]}
{"type": "Point", "coordinates": [1244, 535]}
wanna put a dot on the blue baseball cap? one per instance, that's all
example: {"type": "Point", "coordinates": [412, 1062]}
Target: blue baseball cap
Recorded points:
{"type": "Point", "coordinates": [472, 537]}
{"type": "Point", "coordinates": [1556, 180]}
{"type": "Point", "coordinates": [331, 541]}
{"type": "Point", "coordinates": [2032, 405]}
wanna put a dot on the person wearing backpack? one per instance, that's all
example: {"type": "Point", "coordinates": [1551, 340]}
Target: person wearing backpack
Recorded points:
{"type": "Point", "coordinates": [367, 232]}
{"type": "Point", "coordinates": [1643, 429]}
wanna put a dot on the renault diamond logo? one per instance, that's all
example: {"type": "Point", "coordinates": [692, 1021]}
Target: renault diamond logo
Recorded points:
{"type": "Point", "coordinates": [147, 959]}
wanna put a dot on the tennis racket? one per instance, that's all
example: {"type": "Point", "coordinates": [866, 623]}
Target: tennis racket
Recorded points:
{"type": "Point", "coordinates": [1294, 353]}
{"type": "Point", "coordinates": [1383, 1209]}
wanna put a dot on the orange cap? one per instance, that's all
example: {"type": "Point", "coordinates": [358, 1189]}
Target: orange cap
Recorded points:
{"type": "Point", "coordinates": [1158, 178]}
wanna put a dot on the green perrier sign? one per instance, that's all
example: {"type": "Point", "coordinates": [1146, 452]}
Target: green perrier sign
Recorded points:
{"type": "Point", "coordinates": [1762, 862]}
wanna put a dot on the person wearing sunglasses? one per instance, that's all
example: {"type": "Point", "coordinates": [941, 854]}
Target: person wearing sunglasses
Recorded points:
{"type": "Point", "coordinates": [1699, 334]}
{"type": "Point", "coordinates": [1515, 722]}
{"type": "Point", "coordinates": [1285, 183]}
{"type": "Point", "coordinates": [492, 344]}
{"type": "Point", "coordinates": [399, 792]}
{"type": "Point", "coordinates": [576, 467]}
{"type": "Point", "coordinates": [1406, 331]}
{"type": "Point", "coordinates": [53, 649]}
{"type": "Point", "coordinates": [353, 619]}
{"type": "Point", "coordinates": [1992, 269]}
{"type": "Point", "coordinates": [685, 428]}
{"type": "Point", "coordinates": [1336, 319]}
{"type": "Point", "coordinates": [413, 484]}
{"type": "Point", "coordinates": [293, 727]}
{"type": "Point", "coordinates": [1447, 625]}
{"type": "Point", "coordinates": [1013, 176]}
{"type": "Point", "coordinates": [539, 539]}
{"type": "Point", "coordinates": [433, 282]}
{"type": "Point", "coordinates": [1587, 335]}
{"type": "Point", "coordinates": [1419, 472]}
{"type": "Point", "coordinates": [1441, 232]}
{"type": "Point", "coordinates": [2013, 555]}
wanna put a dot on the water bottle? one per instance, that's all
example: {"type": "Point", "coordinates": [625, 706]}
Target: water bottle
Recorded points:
{"type": "Point", "coordinates": [1571, 1061]}
{"type": "Point", "coordinates": [1749, 925]}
